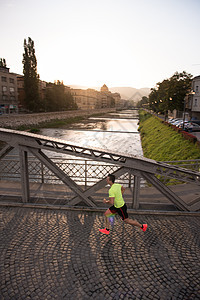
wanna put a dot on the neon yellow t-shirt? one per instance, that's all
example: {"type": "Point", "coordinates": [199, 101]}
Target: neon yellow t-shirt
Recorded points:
{"type": "Point", "coordinates": [115, 191]}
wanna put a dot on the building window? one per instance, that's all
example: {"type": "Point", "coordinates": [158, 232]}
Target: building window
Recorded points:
{"type": "Point", "coordinates": [3, 79]}
{"type": "Point", "coordinates": [4, 97]}
{"type": "Point", "coordinates": [197, 88]}
{"type": "Point", "coordinates": [12, 80]}
{"type": "Point", "coordinates": [195, 102]}
{"type": "Point", "coordinates": [4, 88]}
{"type": "Point", "coordinates": [12, 90]}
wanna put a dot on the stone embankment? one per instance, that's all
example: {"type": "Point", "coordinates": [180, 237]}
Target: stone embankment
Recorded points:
{"type": "Point", "coordinates": [16, 120]}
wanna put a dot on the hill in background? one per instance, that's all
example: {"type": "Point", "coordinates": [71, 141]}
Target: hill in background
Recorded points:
{"type": "Point", "coordinates": [130, 93]}
{"type": "Point", "coordinates": [127, 93]}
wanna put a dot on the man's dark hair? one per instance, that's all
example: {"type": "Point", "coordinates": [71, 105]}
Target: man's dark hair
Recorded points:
{"type": "Point", "coordinates": [111, 177]}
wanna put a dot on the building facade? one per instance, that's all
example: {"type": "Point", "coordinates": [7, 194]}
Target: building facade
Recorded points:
{"type": "Point", "coordinates": [8, 91]}
{"type": "Point", "coordinates": [85, 99]}
{"type": "Point", "coordinates": [12, 94]}
{"type": "Point", "coordinates": [193, 99]}
{"type": "Point", "coordinates": [92, 99]}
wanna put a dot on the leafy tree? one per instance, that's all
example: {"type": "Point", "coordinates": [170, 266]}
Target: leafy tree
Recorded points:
{"type": "Point", "coordinates": [143, 102]}
{"type": "Point", "coordinates": [170, 93]}
{"type": "Point", "coordinates": [57, 99]}
{"type": "Point", "coordinates": [31, 78]}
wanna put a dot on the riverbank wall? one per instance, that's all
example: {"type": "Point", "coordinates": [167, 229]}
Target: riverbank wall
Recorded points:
{"type": "Point", "coordinates": [15, 120]}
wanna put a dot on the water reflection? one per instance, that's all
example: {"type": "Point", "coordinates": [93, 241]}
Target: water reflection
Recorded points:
{"type": "Point", "coordinates": [119, 135]}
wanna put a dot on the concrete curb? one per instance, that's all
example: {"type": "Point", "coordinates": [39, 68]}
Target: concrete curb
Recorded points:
{"type": "Point", "coordinates": [98, 209]}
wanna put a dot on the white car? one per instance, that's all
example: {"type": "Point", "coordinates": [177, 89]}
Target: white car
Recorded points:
{"type": "Point", "coordinates": [177, 123]}
{"type": "Point", "coordinates": [192, 127]}
{"type": "Point", "coordinates": [171, 121]}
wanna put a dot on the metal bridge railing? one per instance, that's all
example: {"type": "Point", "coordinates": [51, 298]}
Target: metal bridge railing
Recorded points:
{"type": "Point", "coordinates": [83, 172]}
{"type": "Point", "coordinates": [91, 165]}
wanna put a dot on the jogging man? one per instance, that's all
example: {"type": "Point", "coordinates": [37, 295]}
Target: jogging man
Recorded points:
{"type": "Point", "coordinates": [118, 206]}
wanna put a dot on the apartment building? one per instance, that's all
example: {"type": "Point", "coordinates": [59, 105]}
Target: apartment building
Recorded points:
{"type": "Point", "coordinates": [12, 94]}
{"type": "Point", "coordinates": [193, 99]}
{"type": "Point", "coordinates": [92, 99]}
{"type": "Point", "coordinates": [8, 91]}
{"type": "Point", "coordinates": [83, 97]}
{"type": "Point", "coordinates": [119, 103]}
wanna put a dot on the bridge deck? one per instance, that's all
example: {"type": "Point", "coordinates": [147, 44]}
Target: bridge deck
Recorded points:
{"type": "Point", "coordinates": [150, 197]}
{"type": "Point", "coordinates": [139, 167]}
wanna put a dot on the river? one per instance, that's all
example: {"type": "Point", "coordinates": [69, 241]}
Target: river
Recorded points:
{"type": "Point", "coordinates": [115, 132]}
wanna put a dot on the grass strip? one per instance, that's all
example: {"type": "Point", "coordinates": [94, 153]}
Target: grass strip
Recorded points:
{"type": "Point", "coordinates": [162, 143]}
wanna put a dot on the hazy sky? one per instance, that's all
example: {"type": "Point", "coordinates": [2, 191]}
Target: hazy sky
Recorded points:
{"type": "Point", "coordinates": [134, 43]}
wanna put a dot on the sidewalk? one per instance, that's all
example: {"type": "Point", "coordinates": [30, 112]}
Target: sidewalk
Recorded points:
{"type": "Point", "coordinates": [54, 254]}
{"type": "Point", "coordinates": [197, 134]}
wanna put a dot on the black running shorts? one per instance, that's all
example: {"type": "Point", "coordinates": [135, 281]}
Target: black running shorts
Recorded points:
{"type": "Point", "coordinates": [121, 211]}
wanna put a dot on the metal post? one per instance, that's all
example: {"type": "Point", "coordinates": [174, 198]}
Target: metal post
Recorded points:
{"type": "Point", "coordinates": [136, 192]}
{"type": "Point", "coordinates": [42, 171]}
{"type": "Point", "coordinates": [24, 175]}
{"type": "Point", "coordinates": [184, 116]}
{"type": "Point", "coordinates": [129, 180]}
{"type": "Point", "coordinates": [85, 173]}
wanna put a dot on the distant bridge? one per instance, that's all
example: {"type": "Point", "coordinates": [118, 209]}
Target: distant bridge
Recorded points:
{"type": "Point", "coordinates": [40, 146]}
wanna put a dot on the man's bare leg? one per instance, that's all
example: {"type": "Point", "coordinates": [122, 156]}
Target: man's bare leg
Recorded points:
{"type": "Point", "coordinates": [107, 223]}
{"type": "Point", "coordinates": [132, 222]}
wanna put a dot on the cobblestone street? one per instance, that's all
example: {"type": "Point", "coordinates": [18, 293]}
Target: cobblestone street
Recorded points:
{"type": "Point", "coordinates": [60, 254]}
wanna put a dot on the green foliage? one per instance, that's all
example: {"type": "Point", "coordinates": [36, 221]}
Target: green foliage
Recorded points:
{"type": "Point", "coordinates": [144, 101]}
{"type": "Point", "coordinates": [34, 130]}
{"type": "Point", "coordinates": [31, 87]}
{"type": "Point", "coordinates": [162, 143]}
{"type": "Point", "coordinates": [60, 123]}
{"type": "Point", "coordinates": [143, 115]}
{"type": "Point", "coordinates": [170, 93]}
{"type": "Point", "coordinates": [51, 124]}
{"type": "Point", "coordinates": [57, 99]}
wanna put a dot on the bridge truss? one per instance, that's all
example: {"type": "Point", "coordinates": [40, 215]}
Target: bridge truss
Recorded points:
{"type": "Point", "coordinates": [39, 146]}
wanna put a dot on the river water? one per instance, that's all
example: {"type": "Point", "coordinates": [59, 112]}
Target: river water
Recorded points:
{"type": "Point", "coordinates": [115, 132]}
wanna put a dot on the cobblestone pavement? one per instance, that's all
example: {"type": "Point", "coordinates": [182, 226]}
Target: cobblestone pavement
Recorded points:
{"type": "Point", "coordinates": [46, 254]}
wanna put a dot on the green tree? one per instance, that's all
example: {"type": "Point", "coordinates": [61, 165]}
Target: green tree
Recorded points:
{"type": "Point", "coordinates": [31, 78]}
{"type": "Point", "coordinates": [143, 102]}
{"type": "Point", "coordinates": [170, 93]}
{"type": "Point", "coordinates": [57, 99]}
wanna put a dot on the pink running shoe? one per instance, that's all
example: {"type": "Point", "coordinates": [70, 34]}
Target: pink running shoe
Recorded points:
{"type": "Point", "coordinates": [144, 227]}
{"type": "Point", "coordinates": [105, 231]}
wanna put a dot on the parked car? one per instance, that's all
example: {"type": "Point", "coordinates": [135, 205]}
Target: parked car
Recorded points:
{"type": "Point", "coordinates": [191, 127]}
{"type": "Point", "coordinates": [180, 125]}
{"type": "Point", "coordinates": [195, 121]}
{"type": "Point", "coordinates": [171, 121]}
{"type": "Point", "coordinates": [177, 122]}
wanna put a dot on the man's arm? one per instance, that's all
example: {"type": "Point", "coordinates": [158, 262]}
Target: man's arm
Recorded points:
{"type": "Point", "coordinates": [110, 201]}
{"type": "Point", "coordinates": [122, 189]}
